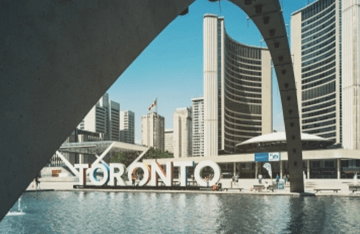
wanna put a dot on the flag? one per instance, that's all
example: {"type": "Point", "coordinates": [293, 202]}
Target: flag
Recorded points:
{"type": "Point", "coordinates": [152, 105]}
{"type": "Point", "coordinates": [267, 166]}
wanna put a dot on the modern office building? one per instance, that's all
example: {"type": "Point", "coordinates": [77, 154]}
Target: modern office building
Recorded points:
{"type": "Point", "coordinates": [152, 130]}
{"type": "Point", "coordinates": [114, 121]}
{"type": "Point", "coordinates": [182, 137]}
{"type": "Point", "coordinates": [237, 89]}
{"type": "Point", "coordinates": [169, 142]}
{"type": "Point", "coordinates": [103, 118]}
{"type": "Point", "coordinates": [198, 127]}
{"type": "Point", "coordinates": [127, 126]}
{"type": "Point", "coordinates": [325, 46]}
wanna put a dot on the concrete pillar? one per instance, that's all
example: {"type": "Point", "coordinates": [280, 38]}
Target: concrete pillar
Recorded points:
{"type": "Point", "coordinates": [281, 169]}
{"type": "Point", "coordinates": [338, 168]}
{"type": "Point", "coordinates": [308, 168]}
{"type": "Point", "coordinates": [256, 170]}
{"type": "Point", "coordinates": [52, 57]}
{"type": "Point", "coordinates": [54, 64]}
{"type": "Point", "coordinates": [234, 168]}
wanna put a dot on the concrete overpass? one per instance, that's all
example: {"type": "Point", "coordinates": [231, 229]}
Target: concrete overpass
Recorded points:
{"type": "Point", "coordinates": [59, 57]}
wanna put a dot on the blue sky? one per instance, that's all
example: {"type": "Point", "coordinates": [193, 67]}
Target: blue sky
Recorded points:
{"type": "Point", "coordinates": [171, 67]}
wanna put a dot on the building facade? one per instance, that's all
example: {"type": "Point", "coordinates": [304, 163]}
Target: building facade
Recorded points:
{"type": "Point", "coordinates": [114, 121]}
{"type": "Point", "coordinates": [152, 130]}
{"type": "Point", "coordinates": [127, 126]}
{"type": "Point", "coordinates": [169, 142]}
{"type": "Point", "coordinates": [198, 127]}
{"type": "Point", "coordinates": [325, 48]}
{"type": "Point", "coordinates": [182, 136]}
{"type": "Point", "coordinates": [103, 118]}
{"type": "Point", "coordinates": [316, 49]}
{"type": "Point", "coordinates": [237, 89]}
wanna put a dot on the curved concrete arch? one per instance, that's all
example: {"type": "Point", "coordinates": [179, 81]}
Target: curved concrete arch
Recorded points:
{"type": "Point", "coordinates": [58, 58]}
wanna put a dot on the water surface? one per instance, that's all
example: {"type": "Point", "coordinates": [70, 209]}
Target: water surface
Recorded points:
{"type": "Point", "coordinates": [112, 212]}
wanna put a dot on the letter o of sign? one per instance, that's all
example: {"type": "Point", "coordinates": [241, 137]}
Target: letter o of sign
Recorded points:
{"type": "Point", "coordinates": [214, 166]}
{"type": "Point", "coordinates": [93, 178]}
{"type": "Point", "coordinates": [145, 170]}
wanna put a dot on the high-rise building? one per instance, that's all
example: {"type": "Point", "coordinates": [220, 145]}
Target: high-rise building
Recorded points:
{"type": "Point", "coordinates": [127, 126]}
{"type": "Point", "coordinates": [182, 137]}
{"type": "Point", "coordinates": [237, 89]}
{"type": "Point", "coordinates": [198, 127]}
{"type": "Point", "coordinates": [114, 121]}
{"type": "Point", "coordinates": [325, 46]}
{"type": "Point", "coordinates": [169, 142]}
{"type": "Point", "coordinates": [152, 130]}
{"type": "Point", "coordinates": [103, 118]}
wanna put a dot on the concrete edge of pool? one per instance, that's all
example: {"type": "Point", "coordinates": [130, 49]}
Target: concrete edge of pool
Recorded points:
{"type": "Point", "coordinates": [306, 194]}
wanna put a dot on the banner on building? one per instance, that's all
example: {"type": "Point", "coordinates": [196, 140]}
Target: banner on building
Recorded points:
{"type": "Point", "coordinates": [267, 157]}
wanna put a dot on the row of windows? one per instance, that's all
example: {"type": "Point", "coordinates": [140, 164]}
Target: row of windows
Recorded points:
{"type": "Point", "coordinates": [320, 27]}
{"type": "Point", "coordinates": [319, 91]}
{"type": "Point", "coordinates": [237, 63]}
{"type": "Point", "coordinates": [319, 112]}
{"type": "Point", "coordinates": [317, 35]}
{"type": "Point", "coordinates": [315, 9]}
{"type": "Point", "coordinates": [319, 124]}
{"type": "Point", "coordinates": [245, 51]}
{"type": "Point", "coordinates": [317, 83]}
{"type": "Point", "coordinates": [242, 122]}
{"type": "Point", "coordinates": [320, 100]}
{"type": "Point", "coordinates": [321, 130]}
{"type": "Point", "coordinates": [241, 128]}
{"type": "Point", "coordinates": [325, 117]}
{"type": "Point", "coordinates": [241, 71]}
{"type": "Point", "coordinates": [329, 13]}
{"type": "Point", "coordinates": [248, 108]}
{"type": "Point", "coordinates": [319, 106]}
{"type": "Point", "coordinates": [242, 82]}
{"type": "Point", "coordinates": [324, 37]}
{"type": "Point", "coordinates": [240, 59]}
{"type": "Point", "coordinates": [333, 134]}
{"type": "Point", "coordinates": [319, 52]}
{"type": "Point", "coordinates": [241, 98]}
{"type": "Point", "coordinates": [240, 76]}
{"type": "Point", "coordinates": [318, 64]}
{"type": "Point", "coordinates": [240, 95]}
{"type": "Point", "coordinates": [236, 87]}
{"type": "Point", "coordinates": [324, 43]}
{"type": "Point", "coordinates": [321, 69]}
{"type": "Point", "coordinates": [233, 114]}
{"type": "Point", "coordinates": [304, 64]}
{"type": "Point", "coordinates": [232, 133]}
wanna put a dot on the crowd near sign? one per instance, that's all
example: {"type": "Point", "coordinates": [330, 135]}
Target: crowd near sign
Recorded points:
{"type": "Point", "coordinates": [112, 174]}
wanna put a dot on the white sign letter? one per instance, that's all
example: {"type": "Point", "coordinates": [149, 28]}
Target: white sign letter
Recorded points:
{"type": "Point", "coordinates": [82, 173]}
{"type": "Point", "coordinates": [144, 168]}
{"type": "Point", "coordinates": [214, 166]}
{"type": "Point", "coordinates": [105, 178]}
{"type": "Point", "coordinates": [116, 175]}
{"type": "Point", "coordinates": [156, 171]}
{"type": "Point", "coordinates": [183, 170]}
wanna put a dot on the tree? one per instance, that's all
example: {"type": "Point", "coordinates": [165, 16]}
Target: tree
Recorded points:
{"type": "Point", "coordinates": [128, 157]}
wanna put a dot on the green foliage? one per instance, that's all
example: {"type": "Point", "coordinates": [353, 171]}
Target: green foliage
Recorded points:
{"type": "Point", "coordinates": [129, 156]}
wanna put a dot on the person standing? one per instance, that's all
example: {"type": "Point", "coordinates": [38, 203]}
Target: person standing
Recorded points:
{"type": "Point", "coordinates": [277, 178]}
{"type": "Point", "coordinates": [133, 178]}
{"type": "Point", "coordinates": [260, 178]}
{"type": "Point", "coordinates": [37, 181]}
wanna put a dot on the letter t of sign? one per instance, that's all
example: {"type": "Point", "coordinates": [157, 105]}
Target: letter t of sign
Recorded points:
{"type": "Point", "coordinates": [183, 170]}
{"type": "Point", "coordinates": [82, 172]}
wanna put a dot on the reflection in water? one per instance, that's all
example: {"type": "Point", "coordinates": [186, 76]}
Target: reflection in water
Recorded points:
{"type": "Point", "coordinates": [113, 212]}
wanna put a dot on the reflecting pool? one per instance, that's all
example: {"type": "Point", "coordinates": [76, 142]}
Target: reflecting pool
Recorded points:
{"type": "Point", "coordinates": [113, 212]}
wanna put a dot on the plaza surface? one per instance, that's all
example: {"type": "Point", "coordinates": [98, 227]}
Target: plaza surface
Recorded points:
{"type": "Point", "coordinates": [246, 184]}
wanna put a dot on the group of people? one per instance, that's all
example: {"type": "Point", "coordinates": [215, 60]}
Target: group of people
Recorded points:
{"type": "Point", "coordinates": [139, 177]}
